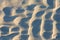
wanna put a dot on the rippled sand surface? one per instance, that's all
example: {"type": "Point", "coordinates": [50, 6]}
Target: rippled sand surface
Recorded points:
{"type": "Point", "coordinates": [29, 19]}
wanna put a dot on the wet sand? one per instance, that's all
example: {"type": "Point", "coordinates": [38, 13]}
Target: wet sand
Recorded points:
{"type": "Point", "coordinates": [18, 3]}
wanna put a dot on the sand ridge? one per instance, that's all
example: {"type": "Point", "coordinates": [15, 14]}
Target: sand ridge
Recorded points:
{"type": "Point", "coordinates": [18, 3]}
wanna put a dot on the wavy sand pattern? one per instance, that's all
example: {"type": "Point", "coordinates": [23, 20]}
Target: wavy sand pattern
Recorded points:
{"type": "Point", "coordinates": [29, 19]}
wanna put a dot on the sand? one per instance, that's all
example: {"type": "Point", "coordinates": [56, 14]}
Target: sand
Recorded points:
{"type": "Point", "coordinates": [18, 3]}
